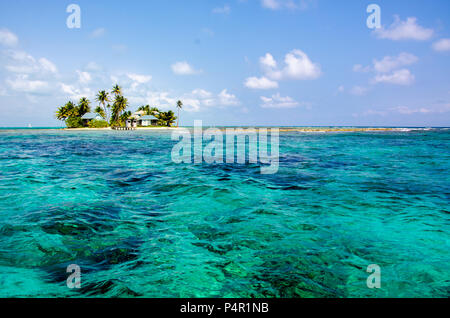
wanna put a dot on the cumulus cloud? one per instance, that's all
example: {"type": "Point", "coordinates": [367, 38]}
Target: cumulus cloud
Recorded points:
{"type": "Point", "coordinates": [228, 99]}
{"type": "Point", "coordinates": [193, 101]}
{"type": "Point", "coordinates": [268, 61]}
{"type": "Point", "coordinates": [390, 69]}
{"type": "Point", "coordinates": [222, 10]}
{"type": "Point", "coordinates": [260, 83]}
{"type": "Point", "coordinates": [404, 30]}
{"type": "Point", "coordinates": [75, 93]}
{"type": "Point", "coordinates": [84, 77]}
{"type": "Point", "coordinates": [24, 63]}
{"type": "Point", "coordinates": [389, 63]}
{"type": "Point", "coordinates": [7, 38]}
{"type": "Point", "coordinates": [399, 77]}
{"type": "Point", "coordinates": [141, 79]}
{"type": "Point", "coordinates": [442, 45]}
{"type": "Point", "coordinates": [22, 83]}
{"type": "Point", "coordinates": [183, 68]}
{"type": "Point", "coordinates": [277, 101]}
{"type": "Point", "coordinates": [297, 66]}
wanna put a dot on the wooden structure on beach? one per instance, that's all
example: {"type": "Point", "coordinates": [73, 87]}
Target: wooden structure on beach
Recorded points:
{"type": "Point", "coordinates": [123, 128]}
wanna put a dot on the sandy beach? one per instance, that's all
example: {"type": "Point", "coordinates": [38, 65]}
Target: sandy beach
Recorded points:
{"type": "Point", "coordinates": [281, 129]}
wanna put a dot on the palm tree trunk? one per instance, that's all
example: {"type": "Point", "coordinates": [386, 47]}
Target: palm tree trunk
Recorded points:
{"type": "Point", "coordinates": [178, 119]}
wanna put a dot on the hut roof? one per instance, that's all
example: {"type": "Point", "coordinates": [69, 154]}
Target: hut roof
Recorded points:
{"type": "Point", "coordinates": [90, 116]}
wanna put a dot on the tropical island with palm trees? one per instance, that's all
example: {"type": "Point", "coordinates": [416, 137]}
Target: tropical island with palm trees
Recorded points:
{"type": "Point", "coordinates": [112, 112]}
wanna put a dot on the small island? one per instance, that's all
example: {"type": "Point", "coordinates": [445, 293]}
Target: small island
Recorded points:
{"type": "Point", "coordinates": [112, 112]}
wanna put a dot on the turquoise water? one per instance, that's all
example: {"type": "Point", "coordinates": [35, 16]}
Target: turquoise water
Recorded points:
{"type": "Point", "coordinates": [139, 225]}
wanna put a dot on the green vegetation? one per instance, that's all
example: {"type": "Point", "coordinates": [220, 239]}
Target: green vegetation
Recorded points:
{"type": "Point", "coordinates": [166, 119]}
{"type": "Point", "coordinates": [115, 114]}
{"type": "Point", "coordinates": [103, 99]}
{"type": "Point", "coordinates": [72, 114]}
{"type": "Point", "coordinates": [74, 122]}
{"type": "Point", "coordinates": [98, 124]}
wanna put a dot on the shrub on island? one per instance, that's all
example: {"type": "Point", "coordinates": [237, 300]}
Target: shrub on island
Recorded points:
{"type": "Point", "coordinates": [98, 124]}
{"type": "Point", "coordinates": [74, 122]}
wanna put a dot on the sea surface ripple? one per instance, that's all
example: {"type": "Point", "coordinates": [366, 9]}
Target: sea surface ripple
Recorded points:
{"type": "Point", "coordinates": [140, 225]}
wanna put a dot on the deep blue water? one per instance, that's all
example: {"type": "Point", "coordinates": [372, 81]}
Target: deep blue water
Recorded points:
{"type": "Point", "coordinates": [140, 225]}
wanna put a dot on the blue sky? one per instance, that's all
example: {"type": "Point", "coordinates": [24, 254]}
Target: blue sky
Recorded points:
{"type": "Point", "coordinates": [236, 62]}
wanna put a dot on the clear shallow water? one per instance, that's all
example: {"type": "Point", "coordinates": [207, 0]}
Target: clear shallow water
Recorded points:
{"type": "Point", "coordinates": [140, 225]}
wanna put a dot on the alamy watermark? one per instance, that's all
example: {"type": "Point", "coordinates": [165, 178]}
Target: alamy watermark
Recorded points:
{"type": "Point", "coordinates": [374, 19]}
{"type": "Point", "coordinates": [190, 148]}
{"type": "Point", "coordinates": [74, 279]}
{"type": "Point", "coordinates": [74, 19]}
{"type": "Point", "coordinates": [374, 279]}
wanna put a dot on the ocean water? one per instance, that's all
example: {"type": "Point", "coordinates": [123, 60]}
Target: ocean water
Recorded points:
{"type": "Point", "coordinates": [140, 225]}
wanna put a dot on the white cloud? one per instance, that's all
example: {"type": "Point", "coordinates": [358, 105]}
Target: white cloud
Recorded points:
{"type": "Point", "coordinates": [183, 68]}
{"type": "Point", "coordinates": [277, 101]}
{"type": "Point", "coordinates": [48, 66]}
{"type": "Point", "coordinates": [297, 65]}
{"type": "Point", "coordinates": [409, 111]}
{"type": "Point", "coordinates": [7, 38]}
{"type": "Point", "coordinates": [442, 45]}
{"type": "Point", "coordinates": [98, 33]}
{"type": "Point", "coordinates": [84, 77]}
{"type": "Point", "coordinates": [22, 83]}
{"type": "Point", "coordinates": [389, 63]}
{"type": "Point", "coordinates": [260, 83]}
{"type": "Point", "coordinates": [159, 99]}
{"type": "Point", "coordinates": [404, 30]}
{"type": "Point", "coordinates": [400, 77]}
{"type": "Point", "coordinates": [201, 93]}
{"type": "Point", "coordinates": [140, 79]}
{"type": "Point", "coordinates": [194, 101]}
{"type": "Point", "coordinates": [222, 10]}
{"type": "Point", "coordinates": [268, 61]}
{"type": "Point", "coordinates": [23, 63]}
{"type": "Point", "coordinates": [388, 70]}
{"type": "Point", "coordinates": [228, 99]}
{"type": "Point", "coordinates": [75, 93]}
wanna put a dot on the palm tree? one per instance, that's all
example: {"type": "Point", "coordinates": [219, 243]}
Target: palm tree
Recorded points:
{"type": "Point", "coordinates": [83, 106]}
{"type": "Point", "coordinates": [103, 98]}
{"type": "Point", "coordinates": [101, 112]}
{"type": "Point", "coordinates": [166, 118]}
{"type": "Point", "coordinates": [125, 116]}
{"type": "Point", "coordinates": [62, 113]}
{"type": "Point", "coordinates": [145, 108]}
{"type": "Point", "coordinates": [120, 104]}
{"type": "Point", "coordinates": [149, 110]}
{"type": "Point", "coordinates": [179, 106]}
{"type": "Point", "coordinates": [117, 90]}
{"type": "Point", "coordinates": [66, 111]}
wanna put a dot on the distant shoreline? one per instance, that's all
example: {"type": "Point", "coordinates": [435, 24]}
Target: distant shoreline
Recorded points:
{"type": "Point", "coordinates": [318, 129]}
